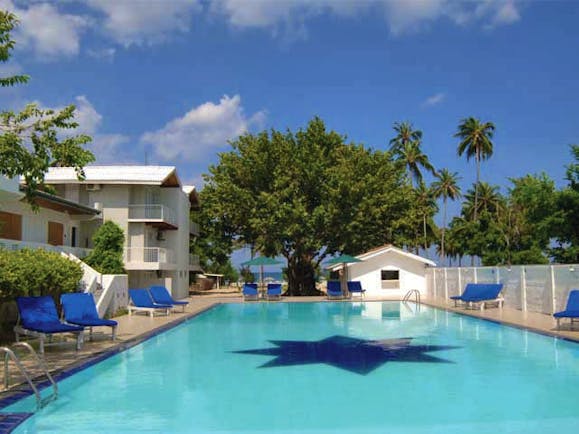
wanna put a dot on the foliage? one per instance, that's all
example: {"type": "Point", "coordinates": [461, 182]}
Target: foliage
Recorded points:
{"type": "Point", "coordinates": [305, 195]}
{"type": "Point", "coordinates": [406, 149]}
{"type": "Point", "coordinates": [246, 274]}
{"type": "Point", "coordinates": [36, 272]}
{"type": "Point", "coordinates": [107, 254]}
{"type": "Point", "coordinates": [445, 187]}
{"type": "Point", "coordinates": [30, 140]}
{"type": "Point", "coordinates": [229, 272]}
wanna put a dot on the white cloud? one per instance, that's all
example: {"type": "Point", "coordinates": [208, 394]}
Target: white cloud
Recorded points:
{"type": "Point", "coordinates": [201, 130]}
{"type": "Point", "coordinates": [107, 54]}
{"type": "Point", "coordinates": [402, 16]}
{"type": "Point", "coordinates": [143, 21]}
{"type": "Point", "coordinates": [433, 100]}
{"type": "Point", "coordinates": [106, 147]}
{"type": "Point", "coordinates": [45, 31]}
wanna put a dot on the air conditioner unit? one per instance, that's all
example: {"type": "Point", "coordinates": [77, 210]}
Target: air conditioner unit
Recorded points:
{"type": "Point", "coordinates": [93, 187]}
{"type": "Point", "coordinates": [160, 236]}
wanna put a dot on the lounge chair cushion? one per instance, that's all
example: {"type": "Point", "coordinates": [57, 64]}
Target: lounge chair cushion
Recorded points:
{"type": "Point", "coordinates": [160, 295]}
{"type": "Point", "coordinates": [142, 298]}
{"type": "Point", "coordinates": [39, 314]}
{"type": "Point", "coordinates": [476, 292]}
{"type": "Point", "coordinates": [80, 308]}
{"type": "Point", "coordinates": [572, 309]}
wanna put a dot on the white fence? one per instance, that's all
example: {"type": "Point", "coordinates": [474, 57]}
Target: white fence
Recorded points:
{"type": "Point", "coordinates": [535, 288]}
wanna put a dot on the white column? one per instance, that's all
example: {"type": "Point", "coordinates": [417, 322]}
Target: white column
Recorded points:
{"type": "Point", "coordinates": [445, 285]}
{"type": "Point", "coordinates": [523, 290]}
{"type": "Point", "coordinates": [459, 280]}
{"type": "Point", "coordinates": [553, 293]}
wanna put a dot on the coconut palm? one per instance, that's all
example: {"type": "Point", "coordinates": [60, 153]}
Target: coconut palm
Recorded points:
{"type": "Point", "coordinates": [489, 199]}
{"type": "Point", "coordinates": [404, 134]}
{"type": "Point", "coordinates": [413, 159]}
{"type": "Point", "coordinates": [426, 204]}
{"type": "Point", "coordinates": [475, 141]}
{"type": "Point", "coordinates": [445, 187]}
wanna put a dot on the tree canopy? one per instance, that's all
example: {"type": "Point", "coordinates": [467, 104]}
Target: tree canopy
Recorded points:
{"type": "Point", "coordinates": [35, 139]}
{"type": "Point", "coordinates": [305, 195]}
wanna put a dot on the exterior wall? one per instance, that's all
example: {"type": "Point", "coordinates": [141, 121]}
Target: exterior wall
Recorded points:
{"type": "Point", "coordinates": [114, 202]}
{"type": "Point", "coordinates": [412, 274]}
{"type": "Point", "coordinates": [117, 284]}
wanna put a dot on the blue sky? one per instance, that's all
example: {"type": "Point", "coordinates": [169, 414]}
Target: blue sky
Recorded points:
{"type": "Point", "coordinates": [176, 79]}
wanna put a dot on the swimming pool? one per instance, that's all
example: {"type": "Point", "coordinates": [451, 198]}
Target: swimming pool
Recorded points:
{"type": "Point", "coordinates": [324, 368]}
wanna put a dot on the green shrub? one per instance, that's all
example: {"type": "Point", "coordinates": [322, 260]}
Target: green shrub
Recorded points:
{"type": "Point", "coordinates": [107, 254]}
{"type": "Point", "coordinates": [36, 272]}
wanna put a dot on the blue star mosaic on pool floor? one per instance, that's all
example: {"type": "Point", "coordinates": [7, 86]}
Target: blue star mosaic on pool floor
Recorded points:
{"type": "Point", "coordinates": [359, 356]}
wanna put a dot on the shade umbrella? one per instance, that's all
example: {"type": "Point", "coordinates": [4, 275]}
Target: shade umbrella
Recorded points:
{"type": "Point", "coordinates": [344, 260]}
{"type": "Point", "coordinates": [260, 261]}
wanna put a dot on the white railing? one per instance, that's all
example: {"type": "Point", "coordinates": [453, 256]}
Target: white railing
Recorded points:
{"type": "Point", "coordinates": [160, 213]}
{"type": "Point", "coordinates": [149, 255]}
{"type": "Point", "coordinates": [17, 245]}
{"type": "Point", "coordinates": [194, 260]}
{"type": "Point", "coordinates": [535, 288]}
{"type": "Point", "coordinates": [194, 228]}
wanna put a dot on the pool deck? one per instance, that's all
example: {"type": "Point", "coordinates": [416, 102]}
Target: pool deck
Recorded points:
{"type": "Point", "coordinates": [63, 360]}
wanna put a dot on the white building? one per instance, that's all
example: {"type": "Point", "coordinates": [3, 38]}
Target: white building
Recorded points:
{"type": "Point", "coordinates": [56, 224]}
{"type": "Point", "coordinates": [388, 271]}
{"type": "Point", "coordinates": [151, 206]}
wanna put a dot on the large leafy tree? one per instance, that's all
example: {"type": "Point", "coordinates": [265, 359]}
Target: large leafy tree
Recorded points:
{"type": "Point", "coordinates": [446, 187]}
{"type": "Point", "coordinates": [34, 139]}
{"type": "Point", "coordinates": [305, 195]}
{"type": "Point", "coordinates": [566, 222]}
{"type": "Point", "coordinates": [475, 142]}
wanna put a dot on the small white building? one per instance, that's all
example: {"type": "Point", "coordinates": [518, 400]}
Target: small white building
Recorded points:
{"type": "Point", "coordinates": [388, 271]}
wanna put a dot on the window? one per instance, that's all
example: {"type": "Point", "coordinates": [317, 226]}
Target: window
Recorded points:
{"type": "Point", "coordinates": [10, 226]}
{"type": "Point", "coordinates": [390, 274]}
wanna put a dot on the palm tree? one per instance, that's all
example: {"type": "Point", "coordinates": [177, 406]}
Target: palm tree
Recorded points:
{"type": "Point", "coordinates": [427, 207]}
{"type": "Point", "coordinates": [413, 158]}
{"type": "Point", "coordinates": [475, 140]}
{"type": "Point", "coordinates": [404, 134]}
{"type": "Point", "coordinates": [489, 200]}
{"type": "Point", "coordinates": [445, 187]}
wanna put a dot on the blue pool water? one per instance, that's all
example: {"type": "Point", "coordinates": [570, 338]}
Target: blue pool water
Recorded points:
{"type": "Point", "coordinates": [325, 368]}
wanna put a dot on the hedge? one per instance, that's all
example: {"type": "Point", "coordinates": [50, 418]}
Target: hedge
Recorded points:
{"type": "Point", "coordinates": [33, 272]}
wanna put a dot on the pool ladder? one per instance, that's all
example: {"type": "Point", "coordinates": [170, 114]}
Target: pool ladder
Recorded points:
{"type": "Point", "coordinates": [9, 354]}
{"type": "Point", "coordinates": [412, 292]}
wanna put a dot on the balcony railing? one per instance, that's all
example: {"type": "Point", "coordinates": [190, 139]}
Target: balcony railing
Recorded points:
{"type": "Point", "coordinates": [194, 228]}
{"type": "Point", "coordinates": [148, 258]}
{"type": "Point", "coordinates": [152, 214]}
{"type": "Point", "coordinates": [17, 245]}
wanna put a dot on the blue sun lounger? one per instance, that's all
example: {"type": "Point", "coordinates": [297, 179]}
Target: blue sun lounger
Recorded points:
{"type": "Point", "coordinates": [141, 301]}
{"type": "Point", "coordinates": [273, 291]}
{"type": "Point", "coordinates": [38, 318]}
{"type": "Point", "coordinates": [572, 309]}
{"type": "Point", "coordinates": [355, 287]}
{"type": "Point", "coordinates": [480, 294]}
{"type": "Point", "coordinates": [250, 291]}
{"type": "Point", "coordinates": [334, 289]}
{"type": "Point", "coordinates": [80, 309]}
{"type": "Point", "coordinates": [161, 295]}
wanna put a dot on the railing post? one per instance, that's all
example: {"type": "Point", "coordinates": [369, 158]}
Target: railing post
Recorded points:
{"type": "Point", "coordinates": [434, 291]}
{"type": "Point", "coordinates": [553, 292]}
{"type": "Point", "coordinates": [445, 284]}
{"type": "Point", "coordinates": [475, 275]}
{"type": "Point", "coordinates": [523, 290]}
{"type": "Point", "coordinates": [459, 280]}
{"type": "Point", "coordinates": [497, 280]}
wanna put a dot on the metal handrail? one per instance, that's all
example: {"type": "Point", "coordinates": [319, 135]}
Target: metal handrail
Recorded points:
{"type": "Point", "coordinates": [409, 294]}
{"type": "Point", "coordinates": [10, 355]}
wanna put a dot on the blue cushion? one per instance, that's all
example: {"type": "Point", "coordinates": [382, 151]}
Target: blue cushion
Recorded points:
{"type": "Point", "coordinates": [160, 295]}
{"type": "Point", "coordinates": [142, 298]}
{"type": "Point", "coordinates": [39, 314]}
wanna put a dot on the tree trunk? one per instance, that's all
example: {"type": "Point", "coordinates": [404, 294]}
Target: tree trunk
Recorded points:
{"type": "Point", "coordinates": [442, 253]}
{"type": "Point", "coordinates": [301, 277]}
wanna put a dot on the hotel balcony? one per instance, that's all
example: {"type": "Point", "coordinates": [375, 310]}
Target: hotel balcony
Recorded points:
{"type": "Point", "coordinates": [159, 216]}
{"type": "Point", "coordinates": [17, 245]}
{"type": "Point", "coordinates": [194, 228]}
{"type": "Point", "coordinates": [194, 263]}
{"type": "Point", "coordinates": [149, 258]}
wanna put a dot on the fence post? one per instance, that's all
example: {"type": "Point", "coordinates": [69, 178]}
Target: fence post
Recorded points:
{"type": "Point", "coordinates": [475, 275]}
{"type": "Point", "coordinates": [459, 280]}
{"type": "Point", "coordinates": [497, 280]}
{"type": "Point", "coordinates": [553, 296]}
{"type": "Point", "coordinates": [445, 284]}
{"type": "Point", "coordinates": [523, 290]}
{"type": "Point", "coordinates": [434, 291]}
